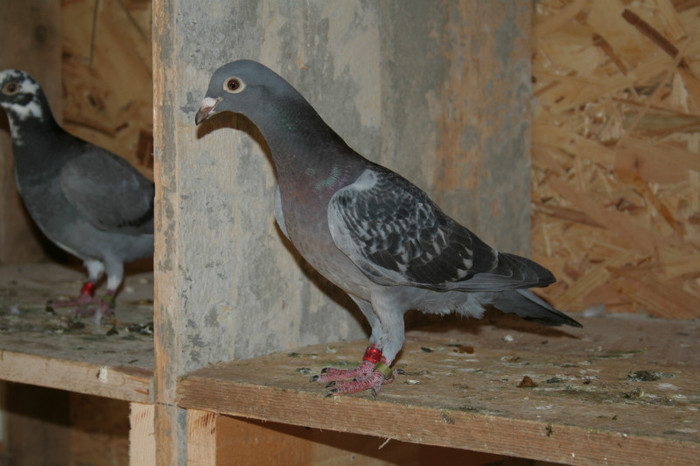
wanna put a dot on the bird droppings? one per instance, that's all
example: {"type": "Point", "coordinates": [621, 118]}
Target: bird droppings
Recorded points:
{"type": "Point", "coordinates": [643, 376]}
{"type": "Point", "coordinates": [509, 338]}
{"type": "Point", "coordinates": [103, 374]}
{"type": "Point", "coordinates": [510, 358]}
{"type": "Point", "coordinates": [633, 394]}
{"type": "Point", "coordinates": [459, 348]}
{"type": "Point", "coordinates": [425, 349]}
{"type": "Point", "coordinates": [623, 354]}
{"type": "Point", "coordinates": [446, 418]}
{"type": "Point", "coordinates": [304, 370]}
{"type": "Point", "coordinates": [412, 382]}
{"type": "Point", "coordinates": [141, 328]}
{"type": "Point", "coordinates": [527, 382]}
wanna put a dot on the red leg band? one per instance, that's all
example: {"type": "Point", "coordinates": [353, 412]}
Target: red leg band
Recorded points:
{"type": "Point", "coordinates": [372, 355]}
{"type": "Point", "coordinates": [88, 288]}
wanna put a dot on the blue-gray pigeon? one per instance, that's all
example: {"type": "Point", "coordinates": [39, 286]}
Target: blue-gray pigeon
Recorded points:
{"type": "Point", "coordinates": [369, 230]}
{"type": "Point", "coordinates": [86, 200]}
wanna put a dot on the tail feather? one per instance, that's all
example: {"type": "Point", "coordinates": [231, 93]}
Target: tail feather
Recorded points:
{"type": "Point", "coordinates": [529, 306]}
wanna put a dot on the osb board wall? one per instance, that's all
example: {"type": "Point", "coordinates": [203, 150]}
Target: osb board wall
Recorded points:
{"type": "Point", "coordinates": [616, 159]}
{"type": "Point", "coordinates": [107, 76]}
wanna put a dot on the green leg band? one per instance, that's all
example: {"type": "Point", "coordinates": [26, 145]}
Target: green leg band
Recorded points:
{"type": "Point", "coordinates": [386, 371]}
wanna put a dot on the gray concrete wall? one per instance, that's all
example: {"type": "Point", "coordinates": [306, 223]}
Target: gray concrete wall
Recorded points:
{"type": "Point", "coordinates": [438, 91]}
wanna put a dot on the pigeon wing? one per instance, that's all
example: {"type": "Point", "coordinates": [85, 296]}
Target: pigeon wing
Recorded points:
{"type": "Point", "coordinates": [110, 193]}
{"type": "Point", "coordinates": [396, 235]}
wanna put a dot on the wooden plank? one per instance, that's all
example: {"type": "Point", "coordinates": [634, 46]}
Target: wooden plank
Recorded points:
{"type": "Point", "coordinates": [620, 390]}
{"type": "Point", "coordinates": [142, 438]}
{"type": "Point", "coordinates": [39, 426]}
{"type": "Point", "coordinates": [111, 358]}
{"type": "Point", "coordinates": [99, 430]}
{"type": "Point", "coordinates": [250, 441]}
{"type": "Point", "coordinates": [201, 438]}
{"type": "Point", "coordinates": [121, 383]}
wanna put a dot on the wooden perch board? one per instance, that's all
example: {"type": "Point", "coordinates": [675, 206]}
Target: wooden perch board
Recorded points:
{"type": "Point", "coordinates": [616, 154]}
{"type": "Point", "coordinates": [107, 76]}
{"type": "Point", "coordinates": [623, 390]}
{"type": "Point", "coordinates": [113, 359]}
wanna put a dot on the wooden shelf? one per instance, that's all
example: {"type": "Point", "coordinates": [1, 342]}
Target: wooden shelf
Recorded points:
{"type": "Point", "coordinates": [622, 389]}
{"type": "Point", "coordinates": [75, 354]}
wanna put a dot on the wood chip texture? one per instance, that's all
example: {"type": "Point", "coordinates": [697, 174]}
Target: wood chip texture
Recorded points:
{"type": "Point", "coordinates": [615, 158]}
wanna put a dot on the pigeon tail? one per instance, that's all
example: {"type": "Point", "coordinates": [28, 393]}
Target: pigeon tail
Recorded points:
{"type": "Point", "coordinates": [530, 307]}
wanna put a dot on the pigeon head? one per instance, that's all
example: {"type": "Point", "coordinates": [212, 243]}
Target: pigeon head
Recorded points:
{"type": "Point", "coordinates": [241, 86]}
{"type": "Point", "coordinates": [21, 96]}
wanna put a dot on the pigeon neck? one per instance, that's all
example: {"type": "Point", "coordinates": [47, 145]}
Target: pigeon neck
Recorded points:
{"type": "Point", "coordinates": [299, 139]}
{"type": "Point", "coordinates": [35, 134]}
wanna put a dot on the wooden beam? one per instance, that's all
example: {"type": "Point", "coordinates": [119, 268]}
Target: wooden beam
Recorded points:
{"type": "Point", "coordinates": [122, 383]}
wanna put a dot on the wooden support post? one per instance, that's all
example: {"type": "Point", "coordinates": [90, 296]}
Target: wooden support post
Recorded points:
{"type": "Point", "coordinates": [30, 34]}
{"type": "Point", "coordinates": [142, 439]}
{"type": "Point", "coordinates": [201, 438]}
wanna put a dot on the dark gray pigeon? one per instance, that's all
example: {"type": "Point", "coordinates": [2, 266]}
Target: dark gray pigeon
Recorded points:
{"type": "Point", "coordinates": [86, 200]}
{"type": "Point", "coordinates": [370, 231]}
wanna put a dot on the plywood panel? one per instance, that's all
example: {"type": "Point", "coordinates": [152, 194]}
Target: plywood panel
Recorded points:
{"type": "Point", "coordinates": [30, 34]}
{"type": "Point", "coordinates": [616, 172]}
{"type": "Point", "coordinates": [108, 84]}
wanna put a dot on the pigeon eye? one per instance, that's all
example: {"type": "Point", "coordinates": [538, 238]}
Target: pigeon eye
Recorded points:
{"type": "Point", "coordinates": [10, 88]}
{"type": "Point", "coordinates": [234, 85]}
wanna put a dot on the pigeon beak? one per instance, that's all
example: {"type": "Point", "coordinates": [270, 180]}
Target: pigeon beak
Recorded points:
{"type": "Point", "coordinates": [207, 109]}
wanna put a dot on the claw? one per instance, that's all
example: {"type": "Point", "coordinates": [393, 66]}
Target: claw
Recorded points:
{"type": "Point", "coordinates": [330, 384]}
{"type": "Point", "coordinates": [331, 393]}
{"type": "Point", "coordinates": [373, 392]}
{"type": "Point", "coordinates": [314, 378]}
{"type": "Point", "coordinates": [400, 371]}
{"type": "Point", "coordinates": [324, 370]}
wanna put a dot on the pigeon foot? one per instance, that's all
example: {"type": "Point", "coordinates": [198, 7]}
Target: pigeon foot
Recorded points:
{"type": "Point", "coordinates": [330, 374]}
{"type": "Point", "coordinates": [86, 305]}
{"type": "Point", "coordinates": [371, 374]}
{"type": "Point", "coordinates": [373, 382]}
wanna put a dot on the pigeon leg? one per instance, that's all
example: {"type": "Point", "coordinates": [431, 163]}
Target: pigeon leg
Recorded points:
{"type": "Point", "coordinates": [87, 293]}
{"type": "Point", "coordinates": [105, 305]}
